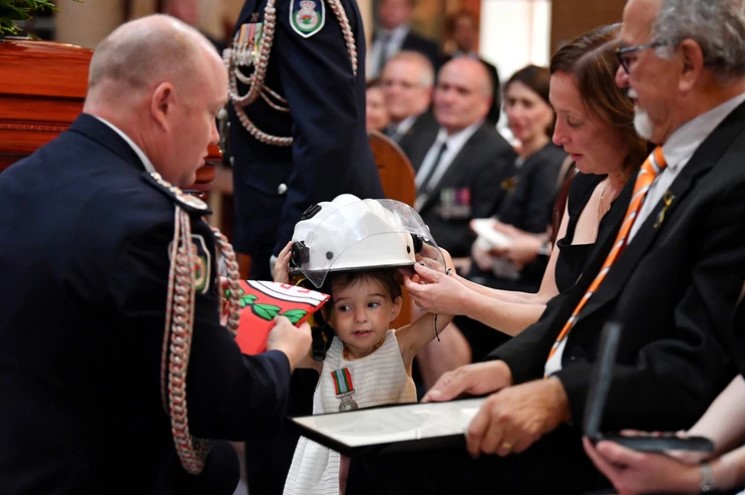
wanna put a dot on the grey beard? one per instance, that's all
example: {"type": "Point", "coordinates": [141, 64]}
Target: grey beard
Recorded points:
{"type": "Point", "coordinates": [642, 124]}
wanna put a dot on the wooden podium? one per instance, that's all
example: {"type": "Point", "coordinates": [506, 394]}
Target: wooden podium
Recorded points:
{"type": "Point", "coordinates": [42, 91]}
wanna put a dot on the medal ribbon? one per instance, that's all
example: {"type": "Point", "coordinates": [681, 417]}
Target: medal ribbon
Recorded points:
{"type": "Point", "coordinates": [342, 381]}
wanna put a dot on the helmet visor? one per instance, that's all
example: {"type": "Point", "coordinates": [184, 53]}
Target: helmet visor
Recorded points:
{"type": "Point", "coordinates": [363, 235]}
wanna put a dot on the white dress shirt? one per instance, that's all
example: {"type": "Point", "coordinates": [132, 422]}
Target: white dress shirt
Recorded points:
{"type": "Point", "coordinates": [678, 150]}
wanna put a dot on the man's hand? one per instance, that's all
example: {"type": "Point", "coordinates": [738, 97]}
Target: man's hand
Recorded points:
{"type": "Point", "coordinates": [474, 379]}
{"type": "Point", "coordinates": [515, 417]}
{"type": "Point", "coordinates": [293, 341]}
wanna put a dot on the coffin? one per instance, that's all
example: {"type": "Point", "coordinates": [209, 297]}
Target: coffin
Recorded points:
{"type": "Point", "coordinates": [42, 91]}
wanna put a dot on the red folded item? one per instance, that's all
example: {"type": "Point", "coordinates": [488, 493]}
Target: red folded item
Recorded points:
{"type": "Point", "coordinates": [261, 301]}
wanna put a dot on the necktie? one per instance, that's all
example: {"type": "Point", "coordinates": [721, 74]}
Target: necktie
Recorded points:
{"type": "Point", "coordinates": [653, 165]}
{"type": "Point", "coordinates": [426, 185]}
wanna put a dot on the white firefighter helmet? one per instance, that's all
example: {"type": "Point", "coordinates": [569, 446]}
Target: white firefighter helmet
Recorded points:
{"type": "Point", "coordinates": [353, 234]}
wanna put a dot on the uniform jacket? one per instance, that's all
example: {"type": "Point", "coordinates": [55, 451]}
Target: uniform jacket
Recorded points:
{"type": "Point", "coordinates": [673, 289]}
{"type": "Point", "coordinates": [84, 243]}
{"type": "Point", "coordinates": [330, 154]}
{"type": "Point", "coordinates": [472, 187]}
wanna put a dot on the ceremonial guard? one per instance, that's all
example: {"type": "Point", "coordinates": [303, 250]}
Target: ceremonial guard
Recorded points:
{"type": "Point", "coordinates": [297, 107]}
{"type": "Point", "coordinates": [297, 138]}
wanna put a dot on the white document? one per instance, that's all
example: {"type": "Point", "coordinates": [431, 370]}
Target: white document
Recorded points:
{"type": "Point", "coordinates": [484, 228]}
{"type": "Point", "coordinates": [406, 422]}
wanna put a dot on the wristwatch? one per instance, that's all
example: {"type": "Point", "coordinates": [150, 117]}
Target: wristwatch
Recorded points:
{"type": "Point", "coordinates": [706, 485]}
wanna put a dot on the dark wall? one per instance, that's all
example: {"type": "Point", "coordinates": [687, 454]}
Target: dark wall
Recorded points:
{"type": "Point", "coordinates": [570, 18]}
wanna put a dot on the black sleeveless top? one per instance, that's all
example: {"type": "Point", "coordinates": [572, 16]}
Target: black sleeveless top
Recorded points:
{"type": "Point", "coordinates": [573, 257]}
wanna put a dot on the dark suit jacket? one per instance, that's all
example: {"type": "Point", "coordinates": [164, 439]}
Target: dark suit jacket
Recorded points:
{"type": "Point", "coordinates": [330, 154]}
{"type": "Point", "coordinates": [530, 199]}
{"type": "Point", "coordinates": [425, 46]}
{"type": "Point", "coordinates": [84, 239]}
{"type": "Point", "coordinates": [673, 289]}
{"type": "Point", "coordinates": [419, 137]}
{"type": "Point", "coordinates": [474, 182]}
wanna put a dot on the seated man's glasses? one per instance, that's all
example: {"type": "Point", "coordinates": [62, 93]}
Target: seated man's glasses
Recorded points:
{"type": "Point", "coordinates": [624, 54]}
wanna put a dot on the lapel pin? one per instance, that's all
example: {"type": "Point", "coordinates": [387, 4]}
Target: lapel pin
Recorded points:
{"type": "Point", "coordinates": [667, 200]}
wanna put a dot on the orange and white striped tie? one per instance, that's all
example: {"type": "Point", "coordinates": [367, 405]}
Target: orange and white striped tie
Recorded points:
{"type": "Point", "coordinates": [653, 165]}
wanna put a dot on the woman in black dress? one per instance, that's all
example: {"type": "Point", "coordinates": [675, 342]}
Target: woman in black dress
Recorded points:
{"type": "Point", "coordinates": [594, 126]}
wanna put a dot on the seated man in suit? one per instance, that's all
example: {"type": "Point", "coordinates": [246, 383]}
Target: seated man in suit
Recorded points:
{"type": "Point", "coordinates": [408, 79]}
{"type": "Point", "coordinates": [460, 169]}
{"type": "Point", "coordinates": [464, 31]}
{"type": "Point", "coordinates": [668, 266]}
{"type": "Point", "coordinates": [394, 34]}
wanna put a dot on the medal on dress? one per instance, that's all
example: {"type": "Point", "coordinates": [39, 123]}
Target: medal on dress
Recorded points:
{"type": "Point", "coordinates": [344, 389]}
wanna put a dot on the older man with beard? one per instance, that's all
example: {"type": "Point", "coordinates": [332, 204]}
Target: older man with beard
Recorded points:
{"type": "Point", "coordinates": [670, 271]}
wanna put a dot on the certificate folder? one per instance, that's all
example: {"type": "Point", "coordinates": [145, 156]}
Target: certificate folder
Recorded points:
{"type": "Point", "coordinates": [598, 393]}
{"type": "Point", "coordinates": [393, 428]}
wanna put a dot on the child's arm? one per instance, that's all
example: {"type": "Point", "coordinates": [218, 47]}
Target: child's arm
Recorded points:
{"type": "Point", "coordinates": [281, 271]}
{"type": "Point", "coordinates": [415, 335]}
{"type": "Point", "coordinates": [310, 363]}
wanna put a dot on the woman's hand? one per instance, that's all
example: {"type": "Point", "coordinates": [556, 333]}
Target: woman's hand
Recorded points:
{"type": "Point", "coordinates": [434, 291]}
{"type": "Point", "coordinates": [633, 472]}
{"type": "Point", "coordinates": [523, 248]}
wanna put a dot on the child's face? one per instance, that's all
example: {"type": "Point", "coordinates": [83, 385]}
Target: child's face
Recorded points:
{"type": "Point", "coordinates": [361, 315]}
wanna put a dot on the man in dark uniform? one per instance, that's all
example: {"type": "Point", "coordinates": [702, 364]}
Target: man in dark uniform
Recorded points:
{"type": "Point", "coordinates": [298, 138]}
{"type": "Point", "coordinates": [100, 254]}
{"type": "Point", "coordinates": [297, 121]}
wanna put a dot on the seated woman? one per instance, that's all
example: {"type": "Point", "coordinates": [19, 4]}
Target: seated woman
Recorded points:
{"type": "Point", "coordinates": [376, 113]}
{"type": "Point", "coordinates": [594, 125]}
{"type": "Point", "coordinates": [531, 191]}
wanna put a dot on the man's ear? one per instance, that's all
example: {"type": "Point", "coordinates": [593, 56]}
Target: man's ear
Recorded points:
{"type": "Point", "coordinates": [693, 64]}
{"type": "Point", "coordinates": [396, 309]}
{"type": "Point", "coordinates": [161, 103]}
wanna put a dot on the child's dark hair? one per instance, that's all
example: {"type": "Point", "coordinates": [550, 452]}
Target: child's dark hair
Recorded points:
{"type": "Point", "coordinates": [390, 278]}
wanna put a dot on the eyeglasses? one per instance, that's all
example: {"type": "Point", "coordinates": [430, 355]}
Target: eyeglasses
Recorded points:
{"type": "Point", "coordinates": [623, 54]}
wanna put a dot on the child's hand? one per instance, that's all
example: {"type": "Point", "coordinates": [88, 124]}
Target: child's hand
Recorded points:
{"type": "Point", "coordinates": [281, 272]}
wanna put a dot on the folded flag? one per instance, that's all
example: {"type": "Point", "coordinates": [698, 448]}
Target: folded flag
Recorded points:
{"type": "Point", "coordinates": [261, 301]}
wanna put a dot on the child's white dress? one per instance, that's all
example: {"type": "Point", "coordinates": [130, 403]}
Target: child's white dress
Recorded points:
{"type": "Point", "coordinates": [379, 378]}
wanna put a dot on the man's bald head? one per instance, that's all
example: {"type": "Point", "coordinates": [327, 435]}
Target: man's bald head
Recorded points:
{"type": "Point", "coordinates": [160, 82]}
{"type": "Point", "coordinates": [146, 51]}
{"type": "Point", "coordinates": [474, 70]}
{"type": "Point", "coordinates": [463, 94]}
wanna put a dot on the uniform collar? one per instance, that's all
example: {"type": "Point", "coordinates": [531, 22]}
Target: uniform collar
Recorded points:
{"type": "Point", "coordinates": [138, 151]}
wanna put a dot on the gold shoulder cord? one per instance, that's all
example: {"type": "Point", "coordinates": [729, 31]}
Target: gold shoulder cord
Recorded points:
{"type": "Point", "coordinates": [242, 55]}
{"type": "Point", "coordinates": [178, 332]}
